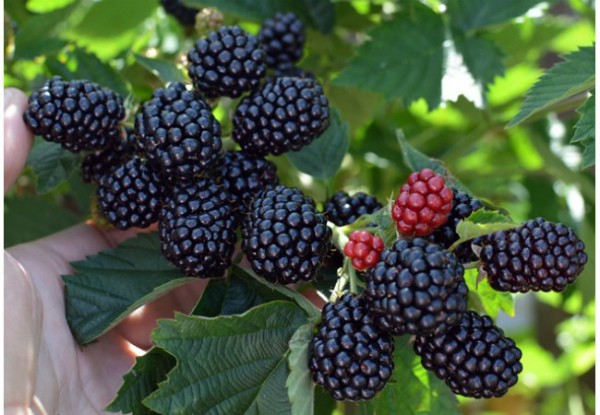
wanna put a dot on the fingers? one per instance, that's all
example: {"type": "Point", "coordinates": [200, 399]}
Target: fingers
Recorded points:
{"type": "Point", "coordinates": [17, 137]}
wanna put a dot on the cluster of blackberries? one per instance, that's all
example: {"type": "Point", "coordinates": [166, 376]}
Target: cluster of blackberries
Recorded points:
{"type": "Point", "coordinates": [171, 168]}
{"type": "Point", "coordinates": [417, 288]}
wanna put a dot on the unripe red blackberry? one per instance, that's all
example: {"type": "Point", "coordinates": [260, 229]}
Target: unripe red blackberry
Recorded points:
{"type": "Point", "coordinates": [129, 196]}
{"type": "Point", "coordinates": [284, 115]}
{"type": "Point", "coordinates": [197, 228]}
{"type": "Point", "coordinates": [473, 357]}
{"type": "Point", "coordinates": [228, 62]}
{"type": "Point", "coordinates": [78, 114]}
{"type": "Point", "coordinates": [349, 355]}
{"type": "Point", "coordinates": [178, 133]}
{"type": "Point", "coordinates": [423, 204]}
{"type": "Point", "coordinates": [417, 287]}
{"type": "Point", "coordinates": [282, 38]}
{"type": "Point", "coordinates": [538, 256]}
{"type": "Point", "coordinates": [364, 249]}
{"type": "Point", "coordinates": [283, 235]}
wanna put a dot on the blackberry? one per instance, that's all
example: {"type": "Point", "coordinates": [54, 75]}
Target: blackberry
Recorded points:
{"type": "Point", "coordinates": [283, 235]}
{"type": "Point", "coordinates": [286, 114]}
{"type": "Point", "coordinates": [538, 256]}
{"type": "Point", "coordinates": [417, 287]}
{"type": "Point", "coordinates": [423, 204]}
{"type": "Point", "coordinates": [349, 356]}
{"type": "Point", "coordinates": [178, 134]}
{"type": "Point", "coordinates": [282, 37]}
{"type": "Point", "coordinates": [242, 176]}
{"type": "Point", "coordinates": [185, 15]}
{"type": "Point", "coordinates": [130, 195]}
{"type": "Point", "coordinates": [79, 114]}
{"type": "Point", "coordinates": [294, 72]}
{"type": "Point", "coordinates": [228, 62]}
{"type": "Point", "coordinates": [197, 229]}
{"type": "Point", "coordinates": [462, 206]}
{"type": "Point", "coordinates": [343, 209]}
{"type": "Point", "coordinates": [101, 162]}
{"type": "Point", "coordinates": [473, 357]}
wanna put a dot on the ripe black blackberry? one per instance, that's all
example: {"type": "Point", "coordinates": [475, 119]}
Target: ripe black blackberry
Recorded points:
{"type": "Point", "coordinates": [285, 114]}
{"type": "Point", "coordinates": [178, 133]}
{"type": "Point", "coordinates": [473, 357]}
{"type": "Point", "coordinates": [101, 162]}
{"type": "Point", "coordinates": [242, 176]}
{"type": "Point", "coordinates": [538, 256]}
{"type": "Point", "coordinates": [79, 114]}
{"type": "Point", "coordinates": [462, 206]}
{"type": "Point", "coordinates": [282, 38]}
{"type": "Point", "coordinates": [417, 287]}
{"type": "Point", "coordinates": [197, 228]}
{"type": "Point", "coordinates": [343, 209]}
{"type": "Point", "coordinates": [130, 195]}
{"type": "Point", "coordinates": [349, 355]}
{"type": "Point", "coordinates": [228, 62]}
{"type": "Point", "coordinates": [185, 15]}
{"type": "Point", "coordinates": [283, 235]}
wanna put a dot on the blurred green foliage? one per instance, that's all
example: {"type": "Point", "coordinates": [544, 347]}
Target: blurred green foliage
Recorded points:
{"type": "Point", "coordinates": [449, 74]}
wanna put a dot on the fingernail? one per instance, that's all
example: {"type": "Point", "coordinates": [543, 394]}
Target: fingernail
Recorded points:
{"type": "Point", "coordinates": [9, 94]}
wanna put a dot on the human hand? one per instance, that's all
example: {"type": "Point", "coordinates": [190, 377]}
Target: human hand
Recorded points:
{"type": "Point", "coordinates": [45, 370]}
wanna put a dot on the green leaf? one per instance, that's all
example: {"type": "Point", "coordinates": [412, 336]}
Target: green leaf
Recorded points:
{"type": "Point", "coordinates": [323, 157]}
{"type": "Point", "coordinates": [319, 13]}
{"type": "Point", "coordinates": [475, 14]}
{"type": "Point", "coordinates": [482, 58]}
{"type": "Point", "coordinates": [482, 222]}
{"type": "Point", "coordinates": [416, 161]}
{"type": "Point", "coordinates": [107, 287]}
{"type": "Point", "coordinates": [91, 68]}
{"type": "Point", "coordinates": [51, 164]}
{"type": "Point", "coordinates": [403, 59]}
{"type": "Point", "coordinates": [36, 37]}
{"type": "Point", "coordinates": [110, 18]}
{"type": "Point", "coordinates": [299, 383]}
{"type": "Point", "coordinates": [45, 6]}
{"type": "Point", "coordinates": [487, 300]}
{"type": "Point", "coordinates": [231, 295]}
{"type": "Point", "coordinates": [141, 381]}
{"type": "Point", "coordinates": [585, 131]}
{"type": "Point", "coordinates": [165, 70]}
{"type": "Point", "coordinates": [413, 389]}
{"type": "Point", "coordinates": [229, 364]}
{"type": "Point", "coordinates": [27, 218]}
{"type": "Point", "coordinates": [274, 291]}
{"type": "Point", "coordinates": [560, 83]}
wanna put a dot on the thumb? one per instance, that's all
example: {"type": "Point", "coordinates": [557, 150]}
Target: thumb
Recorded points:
{"type": "Point", "coordinates": [17, 137]}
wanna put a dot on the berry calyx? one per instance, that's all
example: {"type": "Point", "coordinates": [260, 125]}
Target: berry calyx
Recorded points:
{"type": "Point", "coordinates": [364, 249]}
{"type": "Point", "coordinates": [423, 204]}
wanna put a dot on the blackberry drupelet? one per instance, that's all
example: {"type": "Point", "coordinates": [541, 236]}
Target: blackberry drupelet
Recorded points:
{"type": "Point", "coordinates": [473, 357]}
{"type": "Point", "coordinates": [343, 209]}
{"type": "Point", "coordinates": [197, 228]}
{"type": "Point", "coordinates": [285, 114]}
{"type": "Point", "coordinates": [462, 206]}
{"type": "Point", "coordinates": [178, 133]}
{"type": "Point", "coordinates": [242, 176]}
{"type": "Point", "coordinates": [185, 15]}
{"type": "Point", "coordinates": [417, 287]}
{"type": "Point", "coordinates": [101, 162]}
{"type": "Point", "coordinates": [349, 355]}
{"type": "Point", "coordinates": [79, 114]}
{"type": "Point", "coordinates": [423, 204]}
{"type": "Point", "coordinates": [283, 235]}
{"type": "Point", "coordinates": [538, 256]}
{"type": "Point", "coordinates": [228, 62]}
{"type": "Point", "coordinates": [130, 195]}
{"type": "Point", "coordinates": [282, 38]}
